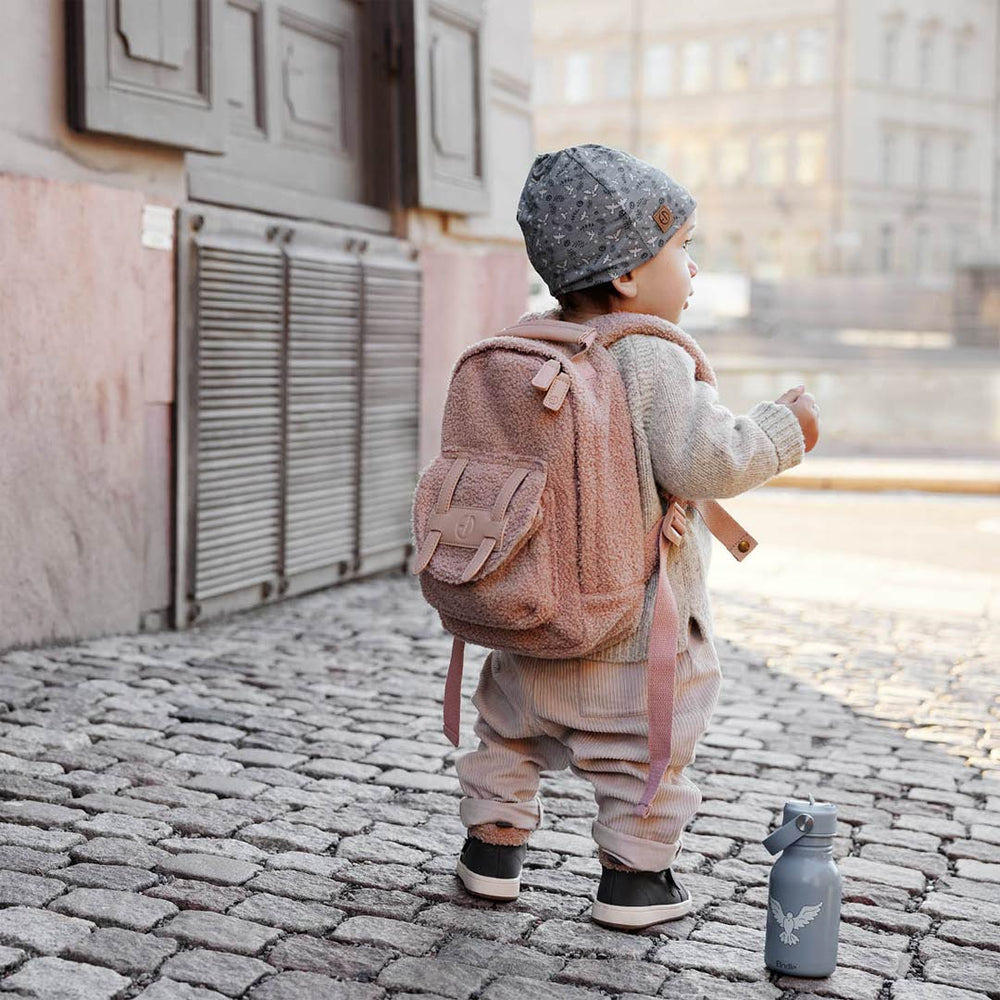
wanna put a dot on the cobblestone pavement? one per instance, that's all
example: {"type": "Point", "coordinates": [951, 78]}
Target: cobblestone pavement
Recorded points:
{"type": "Point", "coordinates": [266, 808]}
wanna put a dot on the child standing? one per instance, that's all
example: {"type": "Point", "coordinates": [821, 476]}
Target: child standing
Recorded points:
{"type": "Point", "coordinates": [610, 236]}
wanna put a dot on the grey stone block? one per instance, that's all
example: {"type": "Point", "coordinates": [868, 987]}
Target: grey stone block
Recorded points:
{"type": "Point", "coordinates": [118, 851]}
{"type": "Point", "coordinates": [127, 952]}
{"type": "Point", "coordinates": [431, 975]}
{"type": "Point", "coordinates": [332, 958]}
{"type": "Point", "coordinates": [57, 979]}
{"type": "Point", "coordinates": [520, 988]}
{"type": "Point", "coordinates": [224, 871]}
{"type": "Point", "coordinates": [19, 888]}
{"type": "Point", "coordinates": [117, 825]}
{"type": "Point", "coordinates": [107, 906]}
{"type": "Point", "coordinates": [284, 836]}
{"type": "Point", "coordinates": [309, 986]}
{"type": "Point", "coordinates": [41, 930]}
{"type": "Point", "coordinates": [215, 930]}
{"type": "Point", "coordinates": [397, 934]}
{"type": "Point", "coordinates": [122, 877]}
{"type": "Point", "coordinates": [232, 975]}
{"type": "Point", "coordinates": [190, 894]}
{"type": "Point", "coordinates": [288, 914]}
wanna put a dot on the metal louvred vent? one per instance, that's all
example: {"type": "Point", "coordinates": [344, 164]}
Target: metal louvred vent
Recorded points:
{"type": "Point", "coordinates": [239, 376]}
{"type": "Point", "coordinates": [324, 325]}
{"type": "Point", "coordinates": [390, 399]}
{"type": "Point", "coordinates": [297, 407]}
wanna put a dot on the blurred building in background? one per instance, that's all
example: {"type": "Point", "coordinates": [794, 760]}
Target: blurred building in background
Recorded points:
{"type": "Point", "coordinates": [845, 154]}
{"type": "Point", "coordinates": [241, 244]}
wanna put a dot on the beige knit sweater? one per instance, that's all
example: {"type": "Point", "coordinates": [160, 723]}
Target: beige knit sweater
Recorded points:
{"type": "Point", "coordinates": [689, 445]}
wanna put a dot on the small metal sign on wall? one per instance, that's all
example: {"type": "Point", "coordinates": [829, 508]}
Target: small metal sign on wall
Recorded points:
{"type": "Point", "coordinates": [297, 407]}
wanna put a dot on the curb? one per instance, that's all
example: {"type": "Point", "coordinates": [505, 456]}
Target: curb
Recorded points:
{"type": "Point", "coordinates": [881, 475]}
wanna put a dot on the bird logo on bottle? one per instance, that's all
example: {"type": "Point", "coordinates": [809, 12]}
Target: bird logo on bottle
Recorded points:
{"type": "Point", "coordinates": [788, 923]}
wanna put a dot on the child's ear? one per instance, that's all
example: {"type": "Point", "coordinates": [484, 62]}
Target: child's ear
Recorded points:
{"type": "Point", "coordinates": [626, 285]}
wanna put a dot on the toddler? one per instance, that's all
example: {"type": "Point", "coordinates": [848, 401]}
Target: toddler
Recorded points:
{"type": "Point", "coordinates": [610, 235]}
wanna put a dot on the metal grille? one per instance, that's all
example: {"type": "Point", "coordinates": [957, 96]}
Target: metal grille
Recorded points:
{"type": "Point", "coordinates": [323, 395]}
{"type": "Point", "coordinates": [297, 408]}
{"type": "Point", "coordinates": [240, 319]}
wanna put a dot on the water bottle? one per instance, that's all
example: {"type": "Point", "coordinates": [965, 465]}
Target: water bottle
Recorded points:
{"type": "Point", "coordinates": [803, 905]}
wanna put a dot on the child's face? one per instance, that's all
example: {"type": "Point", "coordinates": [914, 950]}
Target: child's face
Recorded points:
{"type": "Point", "coordinates": [662, 285]}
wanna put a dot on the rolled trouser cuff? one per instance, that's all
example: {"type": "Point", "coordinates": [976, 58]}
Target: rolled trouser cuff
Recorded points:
{"type": "Point", "coordinates": [525, 815]}
{"type": "Point", "coordinates": [636, 852]}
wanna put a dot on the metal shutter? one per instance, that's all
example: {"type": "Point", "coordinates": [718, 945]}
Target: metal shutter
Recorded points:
{"type": "Point", "coordinates": [297, 407]}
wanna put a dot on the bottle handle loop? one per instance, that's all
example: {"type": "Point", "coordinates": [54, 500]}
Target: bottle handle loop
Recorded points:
{"type": "Point", "coordinates": [788, 834]}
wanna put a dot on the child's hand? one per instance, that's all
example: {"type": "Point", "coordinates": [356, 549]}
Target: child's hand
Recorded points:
{"type": "Point", "coordinates": [802, 404]}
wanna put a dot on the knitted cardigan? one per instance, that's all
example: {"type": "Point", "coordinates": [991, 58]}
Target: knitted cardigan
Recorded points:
{"type": "Point", "coordinates": [687, 444]}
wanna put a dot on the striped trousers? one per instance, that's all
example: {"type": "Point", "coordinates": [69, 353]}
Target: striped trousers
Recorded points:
{"type": "Point", "coordinates": [541, 715]}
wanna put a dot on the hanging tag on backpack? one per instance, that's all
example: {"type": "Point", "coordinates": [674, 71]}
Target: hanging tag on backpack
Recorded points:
{"type": "Point", "coordinates": [557, 393]}
{"type": "Point", "coordinates": [546, 374]}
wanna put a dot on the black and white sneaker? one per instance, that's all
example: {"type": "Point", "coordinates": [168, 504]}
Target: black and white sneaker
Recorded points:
{"type": "Point", "coordinates": [629, 901]}
{"type": "Point", "coordinates": [492, 871]}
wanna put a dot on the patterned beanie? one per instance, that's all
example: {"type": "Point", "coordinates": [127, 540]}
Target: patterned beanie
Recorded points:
{"type": "Point", "coordinates": [591, 213]}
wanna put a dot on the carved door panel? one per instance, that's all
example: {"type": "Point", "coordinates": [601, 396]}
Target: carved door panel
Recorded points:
{"type": "Point", "coordinates": [148, 69]}
{"type": "Point", "coordinates": [297, 143]}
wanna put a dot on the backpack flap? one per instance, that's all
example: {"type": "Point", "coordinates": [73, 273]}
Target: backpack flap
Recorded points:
{"type": "Point", "coordinates": [473, 514]}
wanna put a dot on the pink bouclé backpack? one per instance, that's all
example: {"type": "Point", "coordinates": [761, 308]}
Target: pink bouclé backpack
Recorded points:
{"type": "Point", "coordinates": [528, 527]}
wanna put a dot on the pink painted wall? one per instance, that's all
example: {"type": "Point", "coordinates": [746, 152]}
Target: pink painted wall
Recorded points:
{"type": "Point", "coordinates": [470, 292]}
{"type": "Point", "coordinates": [86, 335]}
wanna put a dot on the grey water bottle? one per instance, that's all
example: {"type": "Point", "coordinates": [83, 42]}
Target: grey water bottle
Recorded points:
{"type": "Point", "coordinates": [804, 889]}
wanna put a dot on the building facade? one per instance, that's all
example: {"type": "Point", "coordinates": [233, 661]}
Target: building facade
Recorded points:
{"type": "Point", "coordinates": [819, 136]}
{"type": "Point", "coordinates": [241, 243]}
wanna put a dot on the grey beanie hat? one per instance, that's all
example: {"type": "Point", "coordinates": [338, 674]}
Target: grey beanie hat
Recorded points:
{"type": "Point", "coordinates": [590, 213]}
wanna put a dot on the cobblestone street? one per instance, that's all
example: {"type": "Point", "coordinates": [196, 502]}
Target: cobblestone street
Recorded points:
{"type": "Point", "coordinates": [266, 808]}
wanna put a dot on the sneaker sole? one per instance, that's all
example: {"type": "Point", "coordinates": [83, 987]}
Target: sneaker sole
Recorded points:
{"type": "Point", "coordinates": [489, 888]}
{"type": "Point", "coordinates": [631, 918]}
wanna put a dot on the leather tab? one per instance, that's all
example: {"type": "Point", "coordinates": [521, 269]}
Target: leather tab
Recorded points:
{"type": "Point", "coordinates": [557, 393]}
{"type": "Point", "coordinates": [479, 559]}
{"type": "Point", "coordinates": [428, 549]}
{"type": "Point", "coordinates": [546, 374]}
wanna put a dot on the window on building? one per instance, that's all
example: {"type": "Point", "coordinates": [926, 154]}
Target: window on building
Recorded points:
{"type": "Point", "coordinates": [956, 245]}
{"type": "Point", "coordinates": [542, 82]}
{"type": "Point", "coordinates": [579, 74]}
{"type": "Point", "coordinates": [891, 34]}
{"type": "Point", "coordinates": [962, 53]}
{"type": "Point", "coordinates": [890, 143]}
{"type": "Point", "coordinates": [734, 161]}
{"type": "Point", "coordinates": [886, 248]}
{"type": "Point", "coordinates": [658, 70]}
{"type": "Point", "coordinates": [958, 161]}
{"type": "Point", "coordinates": [696, 67]}
{"type": "Point", "coordinates": [921, 250]}
{"type": "Point", "coordinates": [694, 163]}
{"type": "Point", "coordinates": [810, 157]}
{"type": "Point", "coordinates": [618, 75]}
{"type": "Point", "coordinates": [774, 59]}
{"type": "Point", "coordinates": [735, 67]}
{"type": "Point", "coordinates": [925, 59]}
{"type": "Point", "coordinates": [924, 164]}
{"type": "Point", "coordinates": [812, 55]}
{"type": "Point", "coordinates": [772, 159]}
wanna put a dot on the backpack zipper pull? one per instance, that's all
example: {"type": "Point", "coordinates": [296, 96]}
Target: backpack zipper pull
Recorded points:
{"type": "Point", "coordinates": [557, 393]}
{"type": "Point", "coordinates": [546, 374]}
